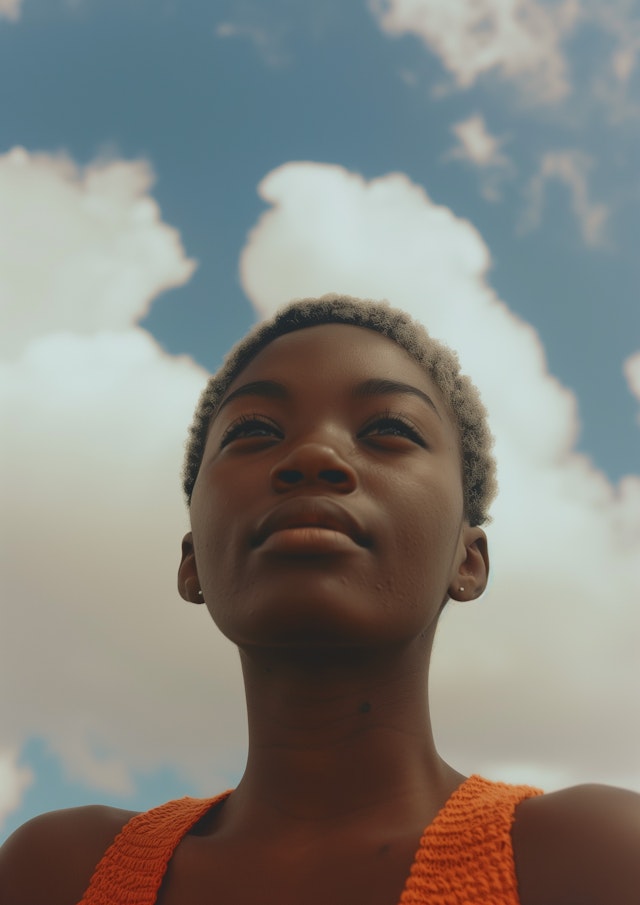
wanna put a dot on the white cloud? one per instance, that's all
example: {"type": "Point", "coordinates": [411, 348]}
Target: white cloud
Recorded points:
{"type": "Point", "coordinates": [632, 373]}
{"type": "Point", "coordinates": [624, 60]}
{"type": "Point", "coordinates": [116, 662]}
{"type": "Point", "coordinates": [14, 780]}
{"type": "Point", "coordinates": [98, 655]}
{"type": "Point", "coordinates": [476, 144]}
{"type": "Point", "coordinates": [10, 9]}
{"type": "Point", "coordinates": [481, 149]}
{"type": "Point", "coordinates": [518, 39]}
{"type": "Point", "coordinates": [615, 80]}
{"type": "Point", "coordinates": [80, 249]}
{"type": "Point", "coordinates": [525, 680]}
{"type": "Point", "coordinates": [572, 168]}
{"type": "Point", "coordinates": [529, 43]}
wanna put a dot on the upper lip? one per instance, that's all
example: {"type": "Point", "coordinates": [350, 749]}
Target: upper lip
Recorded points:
{"type": "Point", "coordinates": [316, 512]}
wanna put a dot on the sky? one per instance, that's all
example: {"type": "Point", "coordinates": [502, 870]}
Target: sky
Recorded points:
{"type": "Point", "coordinates": [171, 172]}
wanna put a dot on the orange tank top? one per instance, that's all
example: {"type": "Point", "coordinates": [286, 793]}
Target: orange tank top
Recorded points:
{"type": "Point", "coordinates": [465, 856]}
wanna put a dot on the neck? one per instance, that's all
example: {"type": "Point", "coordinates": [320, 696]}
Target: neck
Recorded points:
{"type": "Point", "coordinates": [340, 736]}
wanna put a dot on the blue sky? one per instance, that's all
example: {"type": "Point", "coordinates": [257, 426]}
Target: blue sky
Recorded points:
{"type": "Point", "coordinates": [171, 171]}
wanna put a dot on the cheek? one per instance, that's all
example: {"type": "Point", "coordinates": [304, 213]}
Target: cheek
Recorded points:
{"type": "Point", "coordinates": [213, 531]}
{"type": "Point", "coordinates": [426, 534]}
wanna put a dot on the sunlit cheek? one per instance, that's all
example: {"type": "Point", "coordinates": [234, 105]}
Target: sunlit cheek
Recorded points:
{"type": "Point", "coordinates": [428, 535]}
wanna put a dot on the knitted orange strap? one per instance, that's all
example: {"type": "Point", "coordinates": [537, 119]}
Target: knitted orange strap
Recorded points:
{"type": "Point", "coordinates": [131, 870]}
{"type": "Point", "coordinates": [466, 855]}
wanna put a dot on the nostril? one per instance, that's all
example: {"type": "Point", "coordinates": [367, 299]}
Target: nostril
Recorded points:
{"type": "Point", "coordinates": [333, 476]}
{"type": "Point", "coordinates": [310, 464]}
{"type": "Point", "coordinates": [290, 476]}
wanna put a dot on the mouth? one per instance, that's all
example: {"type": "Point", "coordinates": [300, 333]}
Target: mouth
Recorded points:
{"type": "Point", "coordinates": [310, 521]}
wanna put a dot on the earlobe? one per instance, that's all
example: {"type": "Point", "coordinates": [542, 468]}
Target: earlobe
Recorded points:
{"type": "Point", "coordinates": [188, 581]}
{"type": "Point", "coordinates": [472, 573]}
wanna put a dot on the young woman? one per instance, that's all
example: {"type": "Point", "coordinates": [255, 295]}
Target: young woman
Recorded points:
{"type": "Point", "coordinates": [338, 474]}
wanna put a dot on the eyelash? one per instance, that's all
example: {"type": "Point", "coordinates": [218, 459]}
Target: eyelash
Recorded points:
{"type": "Point", "coordinates": [396, 420]}
{"type": "Point", "coordinates": [240, 429]}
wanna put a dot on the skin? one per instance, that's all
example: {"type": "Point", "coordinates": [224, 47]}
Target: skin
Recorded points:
{"type": "Point", "coordinates": [335, 637]}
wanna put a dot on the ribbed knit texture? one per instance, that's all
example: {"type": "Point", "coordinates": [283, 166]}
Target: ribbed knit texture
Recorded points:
{"type": "Point", "coordinates": [132, 869]}
{"type": "Point", "coordinates": [465, 856]}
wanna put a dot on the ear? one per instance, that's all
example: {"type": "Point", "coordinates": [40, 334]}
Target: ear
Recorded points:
{"type": "Point", "coordinates": [188, 581]}
{"type": "Point", "coordinates": [472, 573]}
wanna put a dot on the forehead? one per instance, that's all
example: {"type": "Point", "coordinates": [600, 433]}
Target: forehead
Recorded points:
{"type": "Point", "coordinates": [343, 352]}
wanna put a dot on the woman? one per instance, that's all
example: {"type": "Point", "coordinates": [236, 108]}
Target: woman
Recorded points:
{"type": "Point", "coordinates": [338, 473]}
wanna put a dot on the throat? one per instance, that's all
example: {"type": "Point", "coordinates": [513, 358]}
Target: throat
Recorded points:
{"type": "Point", "coordinates": [345, 868]}
{"type": "Point", "coordinates": [341, 742]}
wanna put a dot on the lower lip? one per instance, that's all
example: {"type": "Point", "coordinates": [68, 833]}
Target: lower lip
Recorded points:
{"type": "Point", "coordinates": [309, 541]}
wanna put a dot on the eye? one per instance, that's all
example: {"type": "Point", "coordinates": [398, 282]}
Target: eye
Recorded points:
{"type": "Point", "coordinates": [251, 427]}
{"type": "Point", "coordinates": [393, 425]}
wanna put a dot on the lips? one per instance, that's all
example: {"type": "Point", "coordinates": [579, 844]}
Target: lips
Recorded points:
{"type": "Point", "coordinates": [310, 512]}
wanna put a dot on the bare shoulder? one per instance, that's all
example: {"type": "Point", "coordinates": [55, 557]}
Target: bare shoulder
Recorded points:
{"type": "Point", "coordinates": [580, 844]}
{"type": "Point", "coordinates": [51, 858]}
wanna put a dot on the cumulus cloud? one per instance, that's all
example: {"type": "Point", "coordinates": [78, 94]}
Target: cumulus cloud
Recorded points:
{"type": "Point", "coordinates": [517, 39]}
{"type": "Point", "coordinates": [14, 779]}
{"type": "Point", "coordinates": [540, 678]}
{"type": "Point", "coordinates": [10, 9]}
{"type": "Point", "coordinates": [117, 664]}
{"type": "Point", "coordinates": [101, 658]}
{"type": "Point", "coordinates": [82, 250]}
{"type": "Point", "coordinates": [570, 167]}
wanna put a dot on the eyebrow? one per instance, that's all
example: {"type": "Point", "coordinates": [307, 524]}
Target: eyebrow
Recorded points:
{"type": "Point", "coordinates": [380, 386]}
{"type": "Point", "coordinates": [268, 389]}
{"type": "Point", "coordinates": [374, 386]}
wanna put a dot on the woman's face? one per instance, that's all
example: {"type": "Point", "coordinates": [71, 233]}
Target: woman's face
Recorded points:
{"type": "Point", "coordinates": [328, 509]}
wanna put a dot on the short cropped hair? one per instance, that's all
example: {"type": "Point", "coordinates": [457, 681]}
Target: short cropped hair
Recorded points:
{"type": "Point", "coordinates": [437, 360]}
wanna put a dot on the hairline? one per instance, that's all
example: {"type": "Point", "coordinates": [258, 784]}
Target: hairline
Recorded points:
{"type": "Point", "coordinates": [437, 361]}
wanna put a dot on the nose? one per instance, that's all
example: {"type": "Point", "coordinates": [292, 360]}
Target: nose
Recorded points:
{"type": "Point", "coordinates": [314, 464]}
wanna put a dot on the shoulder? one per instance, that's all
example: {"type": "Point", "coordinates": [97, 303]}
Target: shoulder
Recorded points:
{"type": "Point", "coordinates": [51, 858]}
{"type": "Point", "coordinates": [579, 844]}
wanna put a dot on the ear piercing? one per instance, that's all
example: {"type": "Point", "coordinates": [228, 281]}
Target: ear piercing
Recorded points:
{"type": "Point", "coordinates": [460, 588]}
{"type": "Point", "coordinates": [200, 592]}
